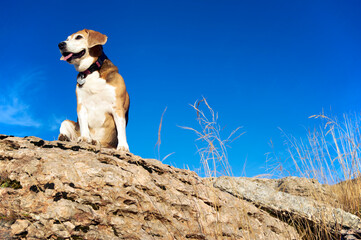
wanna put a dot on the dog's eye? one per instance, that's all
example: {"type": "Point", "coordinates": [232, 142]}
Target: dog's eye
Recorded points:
{"type": "Point", "coordinates": [79, 37]}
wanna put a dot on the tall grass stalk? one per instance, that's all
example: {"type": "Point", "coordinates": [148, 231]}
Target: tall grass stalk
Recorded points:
{"type": "Point", "coordinates": [159, 141]}
{"type": "Point", "coordinates": [212, 148]}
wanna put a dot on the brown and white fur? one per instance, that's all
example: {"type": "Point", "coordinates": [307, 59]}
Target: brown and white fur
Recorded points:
{"type": "Point", "coordinates": [102, 101]}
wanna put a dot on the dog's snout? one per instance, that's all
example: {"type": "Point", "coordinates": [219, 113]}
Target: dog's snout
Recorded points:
{"type": "Point", "coordinates": [62, 45]}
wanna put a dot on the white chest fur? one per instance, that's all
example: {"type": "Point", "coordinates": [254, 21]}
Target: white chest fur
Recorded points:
{"type": "Point", "coordinates": [96, 98]}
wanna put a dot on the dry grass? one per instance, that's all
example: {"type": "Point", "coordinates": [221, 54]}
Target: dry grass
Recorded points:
{"type": "Point", "coordinates": [212, 148]}
{"type": "Point", "coordinates": [348, 195]}
{"type": "Point", "coordinates": [330, 154]}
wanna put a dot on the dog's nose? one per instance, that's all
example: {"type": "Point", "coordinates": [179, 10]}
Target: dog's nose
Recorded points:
{"type": "Point", "coordinates": [62, 45]}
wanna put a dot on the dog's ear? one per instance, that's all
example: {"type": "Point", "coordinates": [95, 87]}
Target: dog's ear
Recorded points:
{"type": "Point", "coordinates": [95, 38]}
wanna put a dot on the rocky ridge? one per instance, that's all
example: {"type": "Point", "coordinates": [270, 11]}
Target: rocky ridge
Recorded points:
{"type": "Point", "coordinates": [61, 190]}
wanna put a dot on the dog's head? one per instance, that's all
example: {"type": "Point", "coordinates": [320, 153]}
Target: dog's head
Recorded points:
{"type": "Point", "coordinates": [82, 48]}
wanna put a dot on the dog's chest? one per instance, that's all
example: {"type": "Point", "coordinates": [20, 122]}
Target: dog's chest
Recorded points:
{"type": "Point", "coordinates": [97, 97]}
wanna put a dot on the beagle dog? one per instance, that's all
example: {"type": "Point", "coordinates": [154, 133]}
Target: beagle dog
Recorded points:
{"type": "Point", "coordinates": [102, 98]}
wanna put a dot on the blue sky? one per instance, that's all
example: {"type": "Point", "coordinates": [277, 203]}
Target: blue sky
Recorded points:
{"type": "Point", "coordinates": [263, 65]}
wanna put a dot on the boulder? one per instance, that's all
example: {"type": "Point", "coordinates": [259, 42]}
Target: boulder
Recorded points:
{"type": "Point", "coordinates": [293, 199]}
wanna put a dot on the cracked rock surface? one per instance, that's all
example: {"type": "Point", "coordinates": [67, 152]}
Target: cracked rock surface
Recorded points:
{"type": "Point", "coordinates": [61, 190]}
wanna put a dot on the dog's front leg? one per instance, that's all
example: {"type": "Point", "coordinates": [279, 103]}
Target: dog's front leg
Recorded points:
{"type": "Point", "coordinates": [120, 124]}
{"type": "Point", "coordinates": [83, 125]}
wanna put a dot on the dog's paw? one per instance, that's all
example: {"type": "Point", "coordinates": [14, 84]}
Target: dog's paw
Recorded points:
{"type": "Point", "coordinates": [63, 137]}
{"type": "Point", "coordinates": [89, 141]}
{"type": "Point", "coordinates": [95, 142]}
{"type": "Point", "coordinates": [85, 140]}
{"type": "Point", "coordinates": [124, 148]}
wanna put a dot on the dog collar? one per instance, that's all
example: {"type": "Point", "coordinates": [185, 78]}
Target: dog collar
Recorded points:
{"type": "Point", "coordinates": [94, 67]}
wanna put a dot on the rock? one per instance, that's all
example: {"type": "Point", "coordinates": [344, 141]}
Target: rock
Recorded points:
{"type": "Point", "coordinates": [274, 197]}
{"type": "Point", "coordinates": [62, 190]}
{"type": "Point", "coordinates": [350, 234]}
{"type": "Point", "coordinates": [19, 226]}
{"type": "Point", "coordinates": [303, 187]}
